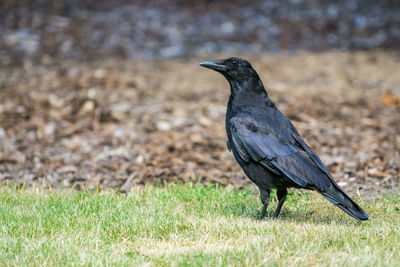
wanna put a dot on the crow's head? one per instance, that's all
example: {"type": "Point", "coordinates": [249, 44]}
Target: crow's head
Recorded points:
{"type": "Point", "coordinates": [233, 68]}
{"type": "Point", "coordinates": [239, 73]}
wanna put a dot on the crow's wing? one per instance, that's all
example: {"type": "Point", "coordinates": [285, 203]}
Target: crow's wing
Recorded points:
{"type": "Point", "coordinates": [284, 152]}
{"type": "Point", "coordinates": [285, 155]}
{"type": "Point", "coordinates": [299, 140]}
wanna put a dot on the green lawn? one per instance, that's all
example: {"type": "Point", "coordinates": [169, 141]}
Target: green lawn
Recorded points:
{"type": "Point", "coordinates": [188, 225]}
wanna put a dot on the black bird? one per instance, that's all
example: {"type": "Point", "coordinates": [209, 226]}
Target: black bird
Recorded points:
{"type": "Point", "coordinates": [266, 144]}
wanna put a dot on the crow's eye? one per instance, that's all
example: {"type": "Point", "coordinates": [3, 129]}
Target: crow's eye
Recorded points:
{"type": "Point", "coordinates": [234, 62]}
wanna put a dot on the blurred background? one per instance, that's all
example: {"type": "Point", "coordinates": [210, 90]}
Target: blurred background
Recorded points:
{"type": "Point", "coordinates": [109, 93]}
{"type": "Point", "coordinates": [87, 29]}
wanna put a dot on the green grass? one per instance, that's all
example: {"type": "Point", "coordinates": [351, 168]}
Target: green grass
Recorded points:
{"type": "Point", "coordinates": [188, 225]}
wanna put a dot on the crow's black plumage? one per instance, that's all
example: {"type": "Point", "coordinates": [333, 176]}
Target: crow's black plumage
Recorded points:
{"type": "Point", "coordinates": [266, 144]}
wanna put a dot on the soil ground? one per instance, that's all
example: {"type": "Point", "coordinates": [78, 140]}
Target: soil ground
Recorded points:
{"type": "Point", "coordinates": [123, 123]}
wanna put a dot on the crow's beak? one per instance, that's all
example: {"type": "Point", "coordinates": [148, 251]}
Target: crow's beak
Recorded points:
{"type": "Point", "coordinates": [216, 65]}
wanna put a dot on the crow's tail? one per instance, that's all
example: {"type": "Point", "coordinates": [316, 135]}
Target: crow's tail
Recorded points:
{"type": "Point", "coordinates": [345, 203]}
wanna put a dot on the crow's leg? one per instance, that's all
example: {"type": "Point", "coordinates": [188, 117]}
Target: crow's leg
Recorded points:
{"type": "Point", "coordinates": [264, 195]}
{"type": "Point", "coordinates": [281, 197]}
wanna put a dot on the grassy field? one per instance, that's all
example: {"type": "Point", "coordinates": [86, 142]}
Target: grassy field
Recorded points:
{"type": "Point", "coordinates": [188, 225]}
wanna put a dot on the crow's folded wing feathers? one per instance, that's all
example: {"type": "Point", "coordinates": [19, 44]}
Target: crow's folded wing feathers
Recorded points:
{"type": "Point", "coordinates": [299, 140]}
{"type": "Point", "coordinates": [289, 157]}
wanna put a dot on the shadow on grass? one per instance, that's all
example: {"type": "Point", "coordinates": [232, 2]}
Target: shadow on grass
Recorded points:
{"type": "Point", "coordinates": [295, 210]}
{"type": "Point", "coordinates": [316, 218]}
{"type": "Point", "coordinates": [297, 216]}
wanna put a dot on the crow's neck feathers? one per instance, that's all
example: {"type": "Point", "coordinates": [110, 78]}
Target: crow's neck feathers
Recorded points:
{"type": "Point", "coordinates": [251, 85]}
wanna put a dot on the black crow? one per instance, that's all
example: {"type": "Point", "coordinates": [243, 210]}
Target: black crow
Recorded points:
{"type": "Point", "coordinates": [266, 144]}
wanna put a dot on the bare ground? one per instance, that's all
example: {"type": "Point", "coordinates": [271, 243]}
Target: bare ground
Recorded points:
{"type": "Point", "coordinates": [123, 123]}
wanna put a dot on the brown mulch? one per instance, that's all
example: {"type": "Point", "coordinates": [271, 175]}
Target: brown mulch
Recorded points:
{"type": "Point", "coordinates": [124, 123]}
